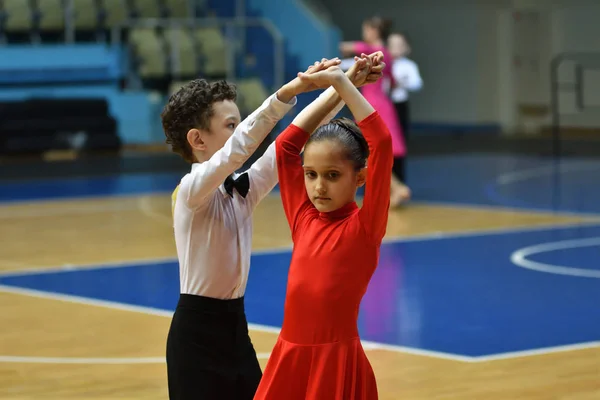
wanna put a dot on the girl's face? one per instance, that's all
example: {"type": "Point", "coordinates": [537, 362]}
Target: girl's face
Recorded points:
{"type": "Point", "coordinates": [330, 178]}
{"type": "Point", "coordinates": [397, 46]}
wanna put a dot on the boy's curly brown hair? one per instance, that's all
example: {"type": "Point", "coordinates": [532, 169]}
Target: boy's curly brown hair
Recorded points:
{"type": "Point", "coordinates": [191, 107]}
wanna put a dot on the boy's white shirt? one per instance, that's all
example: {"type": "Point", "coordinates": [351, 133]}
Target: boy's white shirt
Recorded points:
{"type": "Point", "coordinates": [213, 231]}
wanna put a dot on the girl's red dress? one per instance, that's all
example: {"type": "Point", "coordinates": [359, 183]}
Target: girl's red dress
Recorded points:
{"type": "Point", "coordinates": [318, 354]}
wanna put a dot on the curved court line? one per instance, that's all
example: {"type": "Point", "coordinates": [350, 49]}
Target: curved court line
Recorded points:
{"type": "Point", "coordinates": [94, 360]}
{"type": "Point", "coordinates": [532, 173]}
{"type": "Point", "coordinates": [32, 212]}
{"type": "Point", "coordinates": [146, 208]}
{"type": "Point", "coordinates": [519, 257]}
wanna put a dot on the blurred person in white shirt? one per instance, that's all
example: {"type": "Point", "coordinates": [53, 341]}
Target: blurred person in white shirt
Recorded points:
{"type": "Point", "coordinates": [407, 78]}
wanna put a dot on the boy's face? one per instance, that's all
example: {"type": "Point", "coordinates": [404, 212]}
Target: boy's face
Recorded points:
{"type": "Point", "coordinates": [226, 117]}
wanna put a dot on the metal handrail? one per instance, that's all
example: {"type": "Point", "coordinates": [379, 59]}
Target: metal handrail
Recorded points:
{"type": "Point", "coordinates": [587, 60]}
{"type": "Point", "coordinates": [229, 24]}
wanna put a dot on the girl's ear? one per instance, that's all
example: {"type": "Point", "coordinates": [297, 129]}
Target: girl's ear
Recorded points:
{"type": "Point", "coordinates": [361, 177]}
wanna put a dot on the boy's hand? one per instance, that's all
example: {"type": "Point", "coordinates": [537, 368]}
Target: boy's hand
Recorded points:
{"type": "Point", "coordinates": [307, 85]}
{"type": "Point", "coordinates": [323, 64]}
{"type": "Point", "coordinates": [297, 85]}
{"type": "Point", "coordinates": [323, 78]}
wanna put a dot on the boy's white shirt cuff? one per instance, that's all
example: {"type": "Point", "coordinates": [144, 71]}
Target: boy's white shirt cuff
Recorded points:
{"type": "Point", "coordinates": [280, 108]}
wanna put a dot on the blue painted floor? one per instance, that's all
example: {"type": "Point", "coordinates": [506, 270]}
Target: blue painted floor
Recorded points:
{"type": "Point", "coordinates": [458, 294]}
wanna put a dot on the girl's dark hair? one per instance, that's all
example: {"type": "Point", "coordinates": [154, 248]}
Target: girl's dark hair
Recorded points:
{"type": "Point", "coordinates": [347, 133]}
{"type": "Point", "coordinates": [383, 26]}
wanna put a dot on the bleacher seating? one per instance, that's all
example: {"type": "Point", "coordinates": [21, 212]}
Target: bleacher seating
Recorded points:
{"type": "Point", "coordinates": [146, 9]}
{"type": "Point", "coordinates": [51, 19]}
{"type": "Point", "coordinates": [18, 20]}
{"type": "Point", "coordinates": [251, 93]}
{"type": "Point", "coordinates": [178, 8]}
{"type": "Point", "coordinates": [186, 52]}
{"type": "Point", "coordinates": [150, 50]}
{"type": "Point", "coordinates": [114, 13]}
{"type": "Point", "coordinates": [162, 53]}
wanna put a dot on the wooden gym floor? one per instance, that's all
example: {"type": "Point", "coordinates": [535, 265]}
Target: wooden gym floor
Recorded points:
{"type": "Point", "coordinates": [487, 286]}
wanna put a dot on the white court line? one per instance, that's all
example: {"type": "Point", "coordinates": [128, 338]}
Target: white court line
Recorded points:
{"type": "Point", "coordinates": [537, 352]}
{"type": "Point", "coordinates": [57, 200]}
{"type": "Point", "coordinates": [169, 314]}
{"type": "Point", "coordinates": [90, 266]}
{"type": "Point", "coordinates": [32, 212]}
{"type": "Point", "coordinates": [519, 257]}
{"type": "Point", "coordinates": [367, 345]}
{"type": "Point", "coordinates": [490, 231]}
{"type": "Point", "coordinates": [504, 208]}
{"type": "Point", "coordinates": [146, 207]}
{"type": "Point", "coordinates": [536, 172]}
{"type": "Point", "coordinates": [81, 360]}
{"type": "Point", "coordinates": [95, 360]}
{"type": "Point", "coordinates": [286, 249]}
{"type": "Point", "coordinates": [85, 300]}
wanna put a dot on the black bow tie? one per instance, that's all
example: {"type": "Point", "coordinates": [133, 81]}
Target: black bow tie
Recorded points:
{"type": "Point", "coordinates": [241, 184]}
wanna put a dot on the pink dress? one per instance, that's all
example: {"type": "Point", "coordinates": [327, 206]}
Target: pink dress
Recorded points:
{"type": "Point", "coordinates": [375, 94]}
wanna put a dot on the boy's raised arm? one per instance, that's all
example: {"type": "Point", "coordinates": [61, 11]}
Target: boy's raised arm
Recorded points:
{"type": "Point", "coordinates": [206, 177]}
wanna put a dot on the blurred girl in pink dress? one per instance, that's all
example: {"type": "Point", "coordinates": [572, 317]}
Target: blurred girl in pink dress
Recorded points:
{"type": "Point", "coordinates": [375, 32]}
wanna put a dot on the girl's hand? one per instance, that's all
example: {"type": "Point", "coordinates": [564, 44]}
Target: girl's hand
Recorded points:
{"type": "Point", "coordinates": [367, 69]}
{"type": "Point", "coordinates": [359, 71]}
{"type": "Point", "coordinates": [376, 58]}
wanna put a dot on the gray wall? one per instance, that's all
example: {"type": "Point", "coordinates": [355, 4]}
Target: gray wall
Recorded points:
{"type": "Point", "coordinates": [481, 59]}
